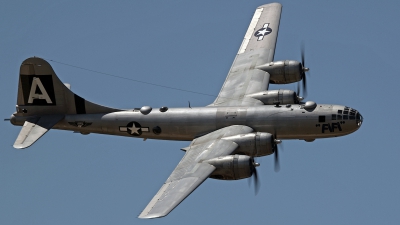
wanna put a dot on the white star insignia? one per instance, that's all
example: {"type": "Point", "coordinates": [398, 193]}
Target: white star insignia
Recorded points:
{"type": "Point", "coordinates": [263, 31]}
{"type": "Point", "coordinates": [134, 129]}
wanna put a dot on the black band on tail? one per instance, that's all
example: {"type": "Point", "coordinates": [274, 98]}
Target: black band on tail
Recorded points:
{"type": "Point", "coordinates": [79, 105]}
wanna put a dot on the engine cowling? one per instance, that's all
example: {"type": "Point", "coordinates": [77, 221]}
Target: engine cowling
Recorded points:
{"type": "Point", "coordinates": [232, 167]}
{"type": "Point", "coordinates": [253, 144]}
{"type": "Point", "coordinates": [274, 96]}
{"type": "Point", "coordinates": [283, 72]}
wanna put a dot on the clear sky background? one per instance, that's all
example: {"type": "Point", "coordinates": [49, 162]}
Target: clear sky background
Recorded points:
{"type": "Point", "coordinates": [352, 49]}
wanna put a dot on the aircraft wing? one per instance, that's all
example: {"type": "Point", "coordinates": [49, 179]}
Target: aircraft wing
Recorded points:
{"type": "Point", "coordinates": [191, 170]}
{"type": "Point", "coordinates": [258, 48]}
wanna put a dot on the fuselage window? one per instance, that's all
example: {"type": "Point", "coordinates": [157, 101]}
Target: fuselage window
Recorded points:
{"type": "Point", "coordinates": [321, 119]}
{"type": "Point", "coordinates": [333, 116]}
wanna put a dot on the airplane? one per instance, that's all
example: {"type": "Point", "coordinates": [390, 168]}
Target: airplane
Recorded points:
{"type": "Point", "coordinates": [245, 121]}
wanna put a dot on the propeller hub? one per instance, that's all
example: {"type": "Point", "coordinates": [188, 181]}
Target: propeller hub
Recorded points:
{"type": "Point", "coordinates": [278, 141]}
{"type": "Point", "coordinates": [256, 164]}
{"type": "Point", "coordinates": [305, 69]}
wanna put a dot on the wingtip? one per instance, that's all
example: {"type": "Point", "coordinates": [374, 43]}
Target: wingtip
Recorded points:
{"type": "Point", "coordinates": [151, 216]}
{"type": "Point", "coordinates": [271, 4]}
{"type": "Point", "coordinates": [20, 146]}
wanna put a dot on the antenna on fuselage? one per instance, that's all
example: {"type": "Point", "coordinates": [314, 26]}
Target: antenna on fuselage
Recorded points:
{"type": "Point", "coordinates": [189, 104]}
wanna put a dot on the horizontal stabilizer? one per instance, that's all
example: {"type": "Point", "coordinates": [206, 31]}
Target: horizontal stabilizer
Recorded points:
{"type": "Point", "coordinates": [34, 128]}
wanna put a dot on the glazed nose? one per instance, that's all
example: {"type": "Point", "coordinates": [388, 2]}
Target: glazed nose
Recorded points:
{"type": "Point", "coordinates": [359, 119]}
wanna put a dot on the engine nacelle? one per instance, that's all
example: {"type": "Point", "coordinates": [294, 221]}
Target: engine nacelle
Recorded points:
{"type": "Point", "coordinates": [231, 167]}
{"type": "Point", "coordinates": [283, 72]}
{"type": "Point", "coordinates": [253, 144]}
{"type": "Point", "coordinates": [273, 96]}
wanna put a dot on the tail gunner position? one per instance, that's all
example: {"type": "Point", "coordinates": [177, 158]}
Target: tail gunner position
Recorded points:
{"type": "Point", "coordinates": [246, 120]}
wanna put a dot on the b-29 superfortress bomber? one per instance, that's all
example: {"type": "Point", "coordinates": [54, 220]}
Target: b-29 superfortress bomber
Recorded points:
{"type": "Point", "coordinates": [246, 120]}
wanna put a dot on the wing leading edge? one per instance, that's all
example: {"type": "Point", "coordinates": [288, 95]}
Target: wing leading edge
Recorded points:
{"type": "Point", "coordinates": [258, 48]}
{"type": "Point", "coordinates": [192, 170]}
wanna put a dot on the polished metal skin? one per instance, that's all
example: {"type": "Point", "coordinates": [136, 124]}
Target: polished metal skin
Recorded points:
{"type": "Point", "coordinates": [287, 121]}
{"type": "Point", "coordinates": [274, 96]}
{"type": "Point", "coordinates": [283, 72]}
{"type": "Point", "coordinates": [245, 121]}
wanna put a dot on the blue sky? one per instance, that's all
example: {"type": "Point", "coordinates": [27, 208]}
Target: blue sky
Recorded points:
{"type": "Point", "coordinates": [66, 178]}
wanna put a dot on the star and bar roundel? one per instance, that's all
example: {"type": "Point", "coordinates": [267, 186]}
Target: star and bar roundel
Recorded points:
{"type": "Point", "coordinates": [134, 128]}
{"type": "Point", "coordinates": [263, 31]}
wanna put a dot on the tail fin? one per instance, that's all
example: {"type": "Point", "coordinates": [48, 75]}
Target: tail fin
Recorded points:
{"type": "Point", "coordinates": [40, 92]}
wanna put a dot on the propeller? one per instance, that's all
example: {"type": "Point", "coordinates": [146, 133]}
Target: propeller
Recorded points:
{"type": "Point", "coordinates": [303, 74]}
{"type": "Point", "coordinates": [276, 158]}
{"type": "Point", "coordinates": [253, 166]}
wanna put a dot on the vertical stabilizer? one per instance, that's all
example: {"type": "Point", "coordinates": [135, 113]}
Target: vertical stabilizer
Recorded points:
{"type": "Point", "coordinates": [40, 92]}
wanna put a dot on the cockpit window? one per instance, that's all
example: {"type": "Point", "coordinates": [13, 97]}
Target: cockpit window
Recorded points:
{"type": "Point", "coordinates": [321, 119]}
{"type": "Point", "coordinates": [345, 117]}
{"type": "Point", "coordinates": [339, 117]}
{"type": "Point", "coordinates": [352, 117]}
{"type": "Point", "coordinates": [339, 111]}
{"type": "Point", "coordinates": [333, 116]}
{"type": "Point", "coordinates": [346, 112]}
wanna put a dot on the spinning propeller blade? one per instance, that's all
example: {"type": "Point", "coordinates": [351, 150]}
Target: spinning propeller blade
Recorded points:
{"type": "Point", "coordinates": [303, 74]}
{"type": "Point", "coordinates": [253, 166]}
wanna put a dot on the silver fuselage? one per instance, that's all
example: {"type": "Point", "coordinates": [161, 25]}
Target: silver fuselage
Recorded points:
{"type": "Point", "coordinates": [285, 121]}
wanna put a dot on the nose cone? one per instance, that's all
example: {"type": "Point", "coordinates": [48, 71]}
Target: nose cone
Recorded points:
{"type": "Point", "coordinates": [356, 115]}
{"type": "Point", "coordinates": [349, 119]}
{"type": "Point", "coordinates": [359, 119]}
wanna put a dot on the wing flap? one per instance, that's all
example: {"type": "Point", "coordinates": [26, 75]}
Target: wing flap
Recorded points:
{"type": "Point", "coordinates": [34, 128]}
{"type": "Point", "coordinates": [250, 30]}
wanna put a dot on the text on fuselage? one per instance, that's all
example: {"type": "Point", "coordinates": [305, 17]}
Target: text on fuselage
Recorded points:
{"type": "Point", "coordinates": [331, 127]}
